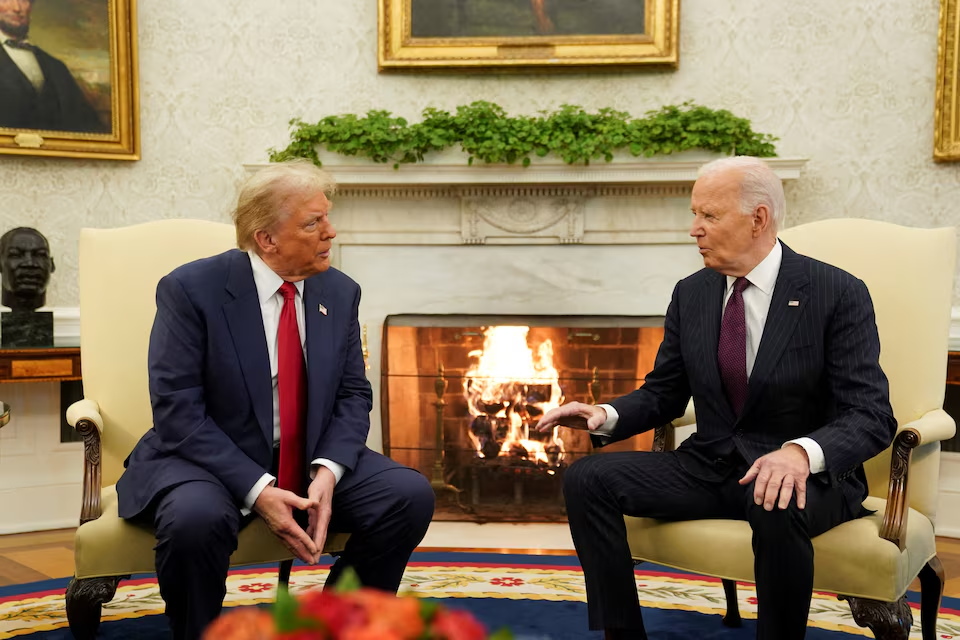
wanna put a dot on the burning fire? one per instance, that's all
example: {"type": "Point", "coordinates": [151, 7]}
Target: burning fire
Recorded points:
{"type": "Point", "coordinates": [507, 390]}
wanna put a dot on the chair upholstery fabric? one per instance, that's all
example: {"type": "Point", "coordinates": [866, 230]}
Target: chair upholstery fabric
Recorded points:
{"type": "Point", "coordinates": [909, 273]}
{"type": "Point", "coordinates": [119, 271]}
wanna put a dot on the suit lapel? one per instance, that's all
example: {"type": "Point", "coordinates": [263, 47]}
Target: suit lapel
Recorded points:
{"type": "Point", "coordinates": [319, 350]}
{"type": "Point", "coordinates": [245, 321]}
{"type": "Point", "coordinates": [781, 322]}
{"type": "Point", "coordinates": [713, 291]}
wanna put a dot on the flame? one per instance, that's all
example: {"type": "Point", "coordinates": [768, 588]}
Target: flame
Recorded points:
{"type": "Point", "coordinates": [512, 386]}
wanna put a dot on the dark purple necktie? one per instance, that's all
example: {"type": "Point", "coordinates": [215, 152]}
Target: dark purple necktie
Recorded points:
{"type": "Point", "coordinates": [732, 348]}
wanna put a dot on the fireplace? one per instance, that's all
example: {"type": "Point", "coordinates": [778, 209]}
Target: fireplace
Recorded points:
{"type": "Point", "coordinates": [461, 394]}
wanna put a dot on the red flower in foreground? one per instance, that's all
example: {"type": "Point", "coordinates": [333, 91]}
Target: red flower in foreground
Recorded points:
{"type": "Point", "coordinates": [333, 610]}
{"type": "Point", "coordinates": [457, 625]}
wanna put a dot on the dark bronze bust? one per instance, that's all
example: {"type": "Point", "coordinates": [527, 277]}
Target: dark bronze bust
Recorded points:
{"type": "Point", "coordinates": [25, 266]}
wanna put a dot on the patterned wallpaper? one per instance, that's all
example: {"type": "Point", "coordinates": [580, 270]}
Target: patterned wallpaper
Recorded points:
{"type": "Point", "coordinates": [848, 85]}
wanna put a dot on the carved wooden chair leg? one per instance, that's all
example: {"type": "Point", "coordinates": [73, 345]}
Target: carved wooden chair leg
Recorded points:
{"type": "Point", "coordinates": [887, 620]}
{"type": "Point", "coordinates": [732, 617]}
{"type": "Point", "coordinates": [83, 602]}
{"type": "Point", "coordinates": [931, 593]}
{"type": "Point", "coordinates": [284, 577]}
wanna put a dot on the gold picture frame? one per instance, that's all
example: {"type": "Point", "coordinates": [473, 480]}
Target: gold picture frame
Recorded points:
{"type": "Point", "coordinates": [946, 131]}
{"type": "Point", "coordinates": [417, 35]}
{"type": "Point", "coordinates": [79, 96]}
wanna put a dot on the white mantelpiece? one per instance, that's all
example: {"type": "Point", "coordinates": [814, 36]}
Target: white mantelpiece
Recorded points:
{"type": "Point", "coordinates": [632, 202]}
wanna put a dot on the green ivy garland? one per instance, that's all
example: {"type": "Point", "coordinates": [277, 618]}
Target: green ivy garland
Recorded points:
{"type": "Point", "coordinates": [487, 133]}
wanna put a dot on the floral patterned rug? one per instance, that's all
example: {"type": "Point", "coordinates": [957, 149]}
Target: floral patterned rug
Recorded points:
{"type": "Point", "coordinates": [536, 596]}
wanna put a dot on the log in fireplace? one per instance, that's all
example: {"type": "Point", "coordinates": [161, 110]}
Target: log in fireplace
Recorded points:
{"type": "Point", "coordinates": [461, 394]}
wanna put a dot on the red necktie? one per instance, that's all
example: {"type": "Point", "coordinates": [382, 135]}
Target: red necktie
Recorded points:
{"type": "Point", "coordinates": [732, 348]}
{"type": "Point", "coordinates": [292, 389]}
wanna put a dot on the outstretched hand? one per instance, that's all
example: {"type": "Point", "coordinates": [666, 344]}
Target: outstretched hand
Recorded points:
{"type": "Point", "coordinates": [276, 507]}
{"type": "Point", "coordinates": [577, 415]}
{"type": "Point", "coordinates": [779, 475]}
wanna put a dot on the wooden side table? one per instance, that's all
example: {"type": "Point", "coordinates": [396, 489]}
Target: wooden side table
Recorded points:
{"type": "Point", "coordinates": [47, 364]}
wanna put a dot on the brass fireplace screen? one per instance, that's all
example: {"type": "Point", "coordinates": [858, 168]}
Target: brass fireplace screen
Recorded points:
{"type": "Point", "coordinates": [461, 394]}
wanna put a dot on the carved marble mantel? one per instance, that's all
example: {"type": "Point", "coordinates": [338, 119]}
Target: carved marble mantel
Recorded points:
{"type": "Point", "coordinates": [633, 202]}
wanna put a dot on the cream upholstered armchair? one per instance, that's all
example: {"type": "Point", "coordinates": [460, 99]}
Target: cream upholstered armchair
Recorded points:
{"type": "Point", "coordinates": [871, 561]}
{"type": "Point", "coordinates": [119, 271]}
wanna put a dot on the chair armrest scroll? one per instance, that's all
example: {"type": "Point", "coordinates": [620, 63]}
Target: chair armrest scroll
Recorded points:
{"type": "Point", "coordinates": [85, 417]}
{"type": "Point", "coordinates": [932, 427]}
{"type": "Point", "coordinates": [85, 410]}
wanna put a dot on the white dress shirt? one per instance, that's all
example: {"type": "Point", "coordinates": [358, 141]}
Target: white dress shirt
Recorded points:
{"type": "Point", "coordinates": [756, 306]}
{"type": "Point", "coordinates": [271, 303]}
{"type": "Point", "coordinates": [25, 60]}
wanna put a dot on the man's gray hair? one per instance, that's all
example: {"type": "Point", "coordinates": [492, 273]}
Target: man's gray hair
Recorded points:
{"type": "Point", "coordinates": [758, 185]}
{"type": "Point", "coordinates": [273, 193]}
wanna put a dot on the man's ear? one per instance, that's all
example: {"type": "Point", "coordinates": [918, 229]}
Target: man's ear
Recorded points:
{"type": "Point", "coordinates": [265, 241]}
{"type": "Point", "coordinates": [761, 220]}
{"type": "Point", "coordinates": [53, 266]}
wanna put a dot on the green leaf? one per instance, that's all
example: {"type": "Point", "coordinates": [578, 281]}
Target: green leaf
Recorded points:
{"type": "Point", "coordinates": [285, 611]}
{"type": "Point", "coordinates": [502, 634]}
{"type": "Point", "coordinates": [348, 581]}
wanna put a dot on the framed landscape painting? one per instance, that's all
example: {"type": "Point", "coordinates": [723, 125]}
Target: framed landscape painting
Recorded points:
{"type": "Point", "coordinates": [502, 34]}
{"type": "Point", "coordinates": [68, 79]}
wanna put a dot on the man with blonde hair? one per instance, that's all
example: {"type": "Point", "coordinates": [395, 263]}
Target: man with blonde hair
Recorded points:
{"type": "Point", "coordinates": [780, 354]}
{"type": "Point", "coordinates": [261, 409]}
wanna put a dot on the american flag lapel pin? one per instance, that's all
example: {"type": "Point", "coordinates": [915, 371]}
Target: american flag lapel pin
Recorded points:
{"type": "Point", "coordinates": [793, 303]}
{"type": "Point", "coordinates": [323, 310]}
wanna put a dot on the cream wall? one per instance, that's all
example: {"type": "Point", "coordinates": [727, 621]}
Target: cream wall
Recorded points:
{"type": "Point", "coordinates": [848, 85]}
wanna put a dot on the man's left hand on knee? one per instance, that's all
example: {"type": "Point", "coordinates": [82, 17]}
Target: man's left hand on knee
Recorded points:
{"type": "Point", "coordinates": [778, 476]}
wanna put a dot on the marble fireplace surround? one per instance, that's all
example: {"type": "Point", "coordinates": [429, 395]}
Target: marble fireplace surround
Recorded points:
{"type": "Point", "coordinates": [551, 239]}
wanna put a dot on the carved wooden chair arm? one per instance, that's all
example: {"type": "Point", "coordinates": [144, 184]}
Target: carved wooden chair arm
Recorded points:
{"type": "Point", "coordinates": [84, 416]}
{"type": "Point", "coordinates": [932, 427]}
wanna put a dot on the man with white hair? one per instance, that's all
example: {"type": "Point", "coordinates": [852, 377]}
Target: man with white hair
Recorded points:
{"type": "Point", "coordinates": [780, 353]}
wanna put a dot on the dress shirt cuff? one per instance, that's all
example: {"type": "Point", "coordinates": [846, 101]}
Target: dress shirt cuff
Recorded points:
{"type": "Point", "coordinates": [814, 453]}
{"type": "Point", "coordinates": [337, 468]}
{"type": "Point", "coordinates": [251, 499]}
{"type": "Point", "coordinates": [606, 429]}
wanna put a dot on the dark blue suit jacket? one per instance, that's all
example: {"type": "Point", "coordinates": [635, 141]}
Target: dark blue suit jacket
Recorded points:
{"type": "Point", "coordinates": [817, 374]}
{"type": "Point", "coordinates": [60, 106]}
{"type": "Point", "coordinates": [211, 389]}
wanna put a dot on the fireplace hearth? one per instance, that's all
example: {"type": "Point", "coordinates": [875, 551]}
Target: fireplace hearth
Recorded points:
{"type": "Point", "coordinates": [461, 395]}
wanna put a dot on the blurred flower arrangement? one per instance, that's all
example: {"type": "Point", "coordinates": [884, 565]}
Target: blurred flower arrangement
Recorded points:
{"type": "Point", "coordinates": [349, 612]}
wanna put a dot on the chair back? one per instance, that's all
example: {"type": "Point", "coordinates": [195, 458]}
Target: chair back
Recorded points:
{"type": "Point", "coordinates": [909, 273]}
{"type": "Point", "coordinates": [119, 272]}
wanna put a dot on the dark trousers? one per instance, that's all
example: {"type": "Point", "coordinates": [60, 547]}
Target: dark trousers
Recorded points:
{"type": "Point", "coordinates": [384, 506]}
{"type": "Point", "coordinates": [601, 489]}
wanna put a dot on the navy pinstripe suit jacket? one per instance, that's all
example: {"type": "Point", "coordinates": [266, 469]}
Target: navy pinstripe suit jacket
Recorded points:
{"type": "Point", "coordinates": [817, 374]}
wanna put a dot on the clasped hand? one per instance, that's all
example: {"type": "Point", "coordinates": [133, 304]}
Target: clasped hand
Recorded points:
{"type": "Point", "coordinates": [276, 507]}
{"type": "Point", "coordinates": [779, 475]}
